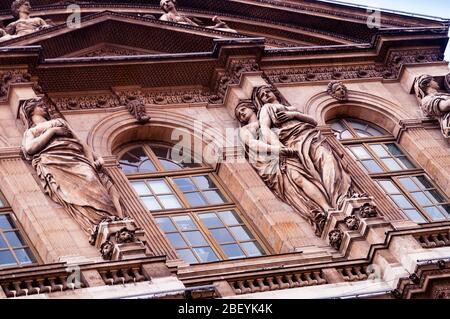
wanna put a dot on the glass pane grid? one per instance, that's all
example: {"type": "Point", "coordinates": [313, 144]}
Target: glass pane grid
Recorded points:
{"type": "Point", "coordinates": [392, 157]}
{"type": "Point", "coordinates": [157, 194]}
{"type": "Point", "coordinates": [13, 248]}
{"type": "Point", "coordinates": [186, 237]}
{"type": "Point", "coordinates": [200, 191]}
{"type": "Point", "coordinates": [235, 239]}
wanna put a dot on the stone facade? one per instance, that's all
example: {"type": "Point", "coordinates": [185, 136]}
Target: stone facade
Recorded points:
{"type": "Point", "coordinates": [125, 76]}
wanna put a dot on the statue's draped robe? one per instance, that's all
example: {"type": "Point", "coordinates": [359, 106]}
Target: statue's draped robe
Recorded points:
{"type": "Point", "coordinates": [430, 108]}
{"type": "Point", "coordinates": [70, 179]}
{"type": "Point", "coordinates": [24, 27]}
{"type": "Point", "coordinates": [315, 162]}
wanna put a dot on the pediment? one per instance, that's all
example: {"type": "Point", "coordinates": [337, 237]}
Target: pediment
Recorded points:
{"type": "Point", "coordinates": [120, 34]}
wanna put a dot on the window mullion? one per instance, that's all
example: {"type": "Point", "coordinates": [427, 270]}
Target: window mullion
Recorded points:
{"type": "Point", "coordinates": [214, 244]}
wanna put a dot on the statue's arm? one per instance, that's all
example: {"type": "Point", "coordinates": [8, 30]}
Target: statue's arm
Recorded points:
{"type": "Point", "coordinates": [257, 145]}
{"type": "Point", "coordinates": [265, 122]}
{"type": "Point", "coordinates": [33, 145]}
{"type": "Point", "coordinates": [301, 116]}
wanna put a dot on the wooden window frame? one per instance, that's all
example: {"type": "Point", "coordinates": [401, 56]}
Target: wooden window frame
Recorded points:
{"type": "Point", "coordinates": [169, 175]}
{"type": "Point", "coordinates": [393, 176]}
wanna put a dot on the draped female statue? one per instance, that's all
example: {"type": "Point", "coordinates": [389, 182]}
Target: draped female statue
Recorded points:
{"type": "Point", "coordinates": [70, 173]}
{"type": "Point", "coordinates": [433, 102]}
{"type": "Point", "coordinates": [292, 157]}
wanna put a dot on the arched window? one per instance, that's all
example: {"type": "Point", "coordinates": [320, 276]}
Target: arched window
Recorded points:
{"type": "Point", "coordinates": [404, 181]}
{"type": "Point", "coordinates": [196, 214]}
{"type": "Point", "coordinates": [14, 250]}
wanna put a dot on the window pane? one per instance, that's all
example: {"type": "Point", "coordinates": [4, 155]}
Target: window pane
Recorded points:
{"type": "Point", "coordinates": [7, 258]}
{"type": "Point", "coordinates": [211, 220]}
{"type": "Point", "coordinates": [230, 218]}
{"type": "Point", "coordinates": [2, 242]}
{"type": "Point", "coordinates": [389, 187]}
{"type": "Point", "coordinates": [147, 167]}
{"type": "Point", "coordinates": [24, 256]}
{"type": "Point", "coordinates": [393, 149]}
{"type": "Point", "coordinates": [214, 197]}
{"type": "Point", "coordinates": [128, 169]}
{"type": "Point", "coordinates": [141, 188]}
{"type": "Point", "coordinates": [169, 201]}
{"type": "Point", "coordinates": [446, 208]}
{"type": "Point", "coordinates": [241, 233]}
{"type": "Point", "coordinates": [422, 199]}
{"type": "Point", "coordinates": [406, 163]}
{"type": "Point", "coordinates": [401, 201]}
{"type": "Point", "coordinates": [206, 254]}
{"type": "Point", "coordinates": [151, 203]}
{"type": "Point", "coordinates": [252, 249]}
{"type": "Point", "coordinates": [166, 224]}
{"type": "Point", "coordinates": [6, 222]}
{"type": "Point", "coordinates": [195, 199]}
{"type": "Point", "coordinates": [434, 213]}
{"type": "Point", "coordinates": [379, 150]}
{"type": "Point", "coordinates": [346, 135]}
{"type": "Point", "coordinates": [170, 165]}
{"type": "Point", "coordinates": [337, 126]}
{"type": "Point", "coordinates": [159, 187]}
{"type": "Point", "coordinates": [435, 196]}
{"type": "Point", "coordinates": [222, 236]}
{"type": "Point", "coordinates": [409, 184]}
{"type": "Point", "coordinates": [184, 223]}
{"type": "Point", "coordinates": [204, 182]}
{"type": "Point", "coordinates": [195, 238]}
{"type": "Point", "coordinates": [176, 240]}
{"type": "Point", "coordinates": [372, 166]}
{"type": "Point", "coordinates": [185, 184]}
{"type": "Point", "coordinates": [233, 251]}
{"type": "Point", "coordinates": [423, 182]}
{"type": "Point", "coordinates": [360, 152]}
{"type": "Point", "coordinates": [2, 204]}
{"type": "Point", "coordinates": [187, 256]}
{"type": "Point", "coordinates": [391, 164]}
{"type": "Point", "coordinates": [14, 239]}
{"type": "Point", "coordinates": [374, 132]}
{"type": "Point", "coordinates": [414, 215]}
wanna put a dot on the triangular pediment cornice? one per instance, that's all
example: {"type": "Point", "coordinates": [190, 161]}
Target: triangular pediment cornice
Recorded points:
{"type": "Point", "coordinates": [145, 34]}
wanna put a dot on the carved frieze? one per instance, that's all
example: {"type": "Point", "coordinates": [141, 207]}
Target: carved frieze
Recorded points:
{"type": "Point", "coordinates": [86, 102]}
{"type": "Point", "coordinates": [9, 77]}
{"type": "Point", "coordinates": [390, 70]}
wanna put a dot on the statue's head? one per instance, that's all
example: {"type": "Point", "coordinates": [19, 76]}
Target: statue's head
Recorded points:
{"type": "Point", "coordinates": [423, 84]}
{"type": "Point", "coordinates": [338, 90]}
{"type": "Point", "coordinates": [244, 111]}
{"type": "Point", "coordinates": [265, 94]}
{"type": "Point", "coordinates": [35, 106]}
{"type": "Point", "coordinates": [107, 249]}
{"type": "Point", "coordinates": [125, 236]}
{"type": "Point", "coordinates": [167, 5]}
{"type": "Point", "coordinates": [20, 6]}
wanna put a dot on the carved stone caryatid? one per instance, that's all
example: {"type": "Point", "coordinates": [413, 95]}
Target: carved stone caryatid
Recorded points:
{"type": "Point", "coordinates": [25, 24]}
{"type": "Point", "coordinates": [338, 90]}
{"type": "Point", "coordinates": [70, 172]}
{"type": "Point", "coordinates": [172, 15]}
{"type": "Point", "coordinates": [434, 102]}
{"type": "Point", "coordinates": [292, 157]}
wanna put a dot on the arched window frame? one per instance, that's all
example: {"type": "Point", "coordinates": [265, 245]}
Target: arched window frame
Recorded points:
{"type": "Point", "coordinates": [17, 244]}
{"type": "Point", "coordinates": [410, 174]}
{"type": "Point", "coordinates": [169, 177]}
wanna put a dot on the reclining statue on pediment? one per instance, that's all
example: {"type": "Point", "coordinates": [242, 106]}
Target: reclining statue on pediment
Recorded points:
{"type": "Point", "coordinates": [172, 15]}
{"type": "Point", "coordinates": [24, 24]}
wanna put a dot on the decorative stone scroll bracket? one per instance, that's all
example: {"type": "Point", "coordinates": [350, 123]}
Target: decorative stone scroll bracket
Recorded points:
{"type": "Point", "coordinates": [119, 239]}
